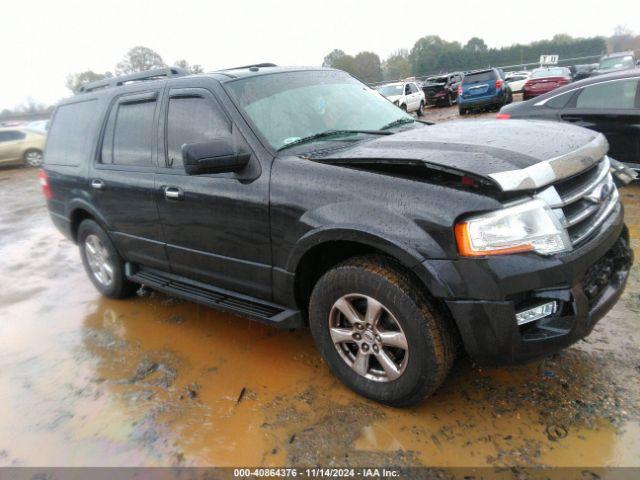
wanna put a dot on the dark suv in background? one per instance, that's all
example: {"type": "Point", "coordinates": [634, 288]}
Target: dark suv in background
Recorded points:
{"type": "Point", "coordinates": [442, 90]}
{"type": "Point", "coordinates": [483, 89]}
{"type": "Point", "coordinates": [393, 239]}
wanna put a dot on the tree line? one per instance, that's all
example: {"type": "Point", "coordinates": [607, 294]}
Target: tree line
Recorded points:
{"type": "Point", "coordinates": [432, 54]}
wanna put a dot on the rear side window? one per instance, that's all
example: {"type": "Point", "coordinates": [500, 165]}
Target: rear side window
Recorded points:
{"type": "Point", "coordinates": [70, 133]}
{"type": "Point", "coordinates": [609, 95]}
{"type": "Point", "coordinates": [560, 101]}
{"type": "Point", "coordinates": [192, 120]}
{"type": "Point", "coordinates": [480, 77]}
{"type": "Point", "coordinates": [129, 134]}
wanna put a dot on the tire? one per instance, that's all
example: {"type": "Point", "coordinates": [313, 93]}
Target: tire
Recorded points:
{"type": "Point", "coordinates": [403, 108]}
{"type": "Point", "coordinates": [462, 111]}
{"type": "Point", "coordinates": [33, 157]}
{"type": "Point", "coordinates": [110, 282]}
{"type": "Point", "coordinates": [449, 101]}
{"type": "Point", "coordinates": [428, 336]}
{"type": "Point", "coordinates": [420, 111]}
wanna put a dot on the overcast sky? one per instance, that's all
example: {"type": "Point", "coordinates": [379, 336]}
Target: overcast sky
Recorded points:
{"type": "Point", "coordinates": [42, 41]}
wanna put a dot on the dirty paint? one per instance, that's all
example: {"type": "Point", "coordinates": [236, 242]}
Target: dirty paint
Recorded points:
{"type": "Point", "coordinates": [157, 381]}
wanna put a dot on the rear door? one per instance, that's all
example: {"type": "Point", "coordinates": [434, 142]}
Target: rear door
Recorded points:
{"type": "Point", "coordinates": [612, 108]}
{"type": "Point", "coordinates": [122, 180]}
{"type": "Point", "coordinates": [216, 225]}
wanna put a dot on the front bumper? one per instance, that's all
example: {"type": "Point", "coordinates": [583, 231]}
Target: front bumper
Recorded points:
{"type": "Point", "coordinates": [483, 295]}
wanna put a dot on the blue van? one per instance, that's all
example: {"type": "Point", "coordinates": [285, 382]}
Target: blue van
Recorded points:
{"type": "Point", "coordinates": [483, 89]}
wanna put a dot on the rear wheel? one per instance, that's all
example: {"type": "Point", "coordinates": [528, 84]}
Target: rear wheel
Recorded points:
{"type": "Point", "coordinates": [33, 157]}
{"type": "Point", "coordinates": [449, 100]}
{"type": "Point", "coordinates": [462, 111]}
{"type": "Point", "coordinates": [101, 261]}
{"type": "Point", "coordinates": [421, 109]}
{"type": "Point", "coordinates": [379, 333]}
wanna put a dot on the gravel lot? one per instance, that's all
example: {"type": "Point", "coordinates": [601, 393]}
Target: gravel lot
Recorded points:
{"type": "Point", "coordinates": [157, 381]}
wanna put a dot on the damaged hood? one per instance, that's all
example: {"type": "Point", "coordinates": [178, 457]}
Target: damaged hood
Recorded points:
{"type": "Point", "coordinates": [513, 154]}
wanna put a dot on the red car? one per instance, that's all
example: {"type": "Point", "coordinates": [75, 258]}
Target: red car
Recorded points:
{"type": "Point", "coordinates": [544, 80]}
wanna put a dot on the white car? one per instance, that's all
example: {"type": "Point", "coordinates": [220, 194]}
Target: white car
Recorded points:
{"type": "Point", "coordinates": [516, 80]}
{"type": "Point", "coordinates": [406, 95]}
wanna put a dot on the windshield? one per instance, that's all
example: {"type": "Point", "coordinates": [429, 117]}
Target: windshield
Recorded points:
{"type": "Point", "coordinates": [289, 106]}
{"type": "Point", "coordinates": [616, 62]}
{"type": "Point", "coordinates": [390, 90]}
{"type": "Point", "coordinates": [550, 72]}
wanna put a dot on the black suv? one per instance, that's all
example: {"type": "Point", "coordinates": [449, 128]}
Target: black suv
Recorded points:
{"type": "Point", "coordinates": [302, 197]}
{"type": "Point", "coordinates": [442, 90]}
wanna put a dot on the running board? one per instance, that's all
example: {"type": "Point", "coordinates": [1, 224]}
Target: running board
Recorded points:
{"type": "Point", "coordinates": [225, 300]}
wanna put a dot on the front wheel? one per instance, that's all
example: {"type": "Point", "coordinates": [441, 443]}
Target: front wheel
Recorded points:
{"type": "Point", "coordinates": [379, 333]}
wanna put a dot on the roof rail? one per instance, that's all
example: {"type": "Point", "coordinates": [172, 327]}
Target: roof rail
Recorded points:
{"type": "Point", "coordinates": [255, 65]}
{"type": "Point", "coordinates": [154, 74]}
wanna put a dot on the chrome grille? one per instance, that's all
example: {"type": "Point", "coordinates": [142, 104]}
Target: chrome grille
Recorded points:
{"type": "Point", "coordinates": [584, 201]}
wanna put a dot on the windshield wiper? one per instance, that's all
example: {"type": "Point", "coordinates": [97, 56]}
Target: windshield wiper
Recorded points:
{"type": "Point", "coordinates": [331, 133]}
{"type": "Point", "coordinates": [397, 123]}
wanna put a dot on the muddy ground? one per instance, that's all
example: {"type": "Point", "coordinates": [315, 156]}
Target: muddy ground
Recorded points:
{"type": "Point", "coordinates": [156, 381]}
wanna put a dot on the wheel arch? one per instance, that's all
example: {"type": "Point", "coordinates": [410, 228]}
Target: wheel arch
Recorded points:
{"type": "Point", "coordinates": [79, 211]}
{"type": "Point", "coordinates": [319, 251]}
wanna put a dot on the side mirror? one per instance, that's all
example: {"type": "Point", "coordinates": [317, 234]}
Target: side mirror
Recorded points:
{"type": "Point", "coordinates": [216, 156]}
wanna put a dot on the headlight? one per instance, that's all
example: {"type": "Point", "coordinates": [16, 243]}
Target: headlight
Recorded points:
{"type": "Point", "coordinates": [529, 226]}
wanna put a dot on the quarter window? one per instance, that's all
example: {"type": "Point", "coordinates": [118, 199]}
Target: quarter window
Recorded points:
{"type": "Point", "coordinates": [192, 120]}
{"type": "Point", "coordinates": [619, 94]}
{"type": "Point", "coordinates": [129, 134]}
{"type": "Point", "coordinates": [72, 128]}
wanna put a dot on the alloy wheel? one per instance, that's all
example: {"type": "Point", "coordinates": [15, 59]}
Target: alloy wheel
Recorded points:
{"type": "Point", "coordinates": [368, 337]}
{"type": "Point", "coordinates": [98, 260]}
{"type": "Point", "coordinates": [33, 158]}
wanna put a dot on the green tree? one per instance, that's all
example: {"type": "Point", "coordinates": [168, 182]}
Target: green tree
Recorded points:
{"type": "Point", "coordinates": [367, 67]}
{"type": "Point", "coordinates": [196, 68]}
{"type": "Point", "coordinates": [139, 59]}
{"type": "Point", "coordinates": [476, 45]}
{"type": "Point", "coordinates": [76, 80]}
{"type": "Point", "coordinates": [397, 66]}
{"type": "Point", "coordinates": [340, 60]}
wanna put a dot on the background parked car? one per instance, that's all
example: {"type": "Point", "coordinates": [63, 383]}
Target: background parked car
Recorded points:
{"type": "Point", "coordinates": [616, 62]}
{"type": "Point", "coordinates": [609, 104]}
{"type": "Point", "coordinates": [544, 80]}
{"type": "Point", "coordinates": [483, 89]}
{"type": "Point", "coordinates": [442, 89]}
{"type": "Point", "coordinates": [21, 146]}
{"type": "Point", "coordinates": [516, 80]}
{"type": "Point", "coordinates": [405, 95]}
{"type": "Point", "coordinates": [580, 72]}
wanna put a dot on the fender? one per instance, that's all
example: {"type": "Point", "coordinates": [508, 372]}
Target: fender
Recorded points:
{"type": "Point", "coordinates": [81, 204]}
{"type": "Point", "coordinates": [408, 256]}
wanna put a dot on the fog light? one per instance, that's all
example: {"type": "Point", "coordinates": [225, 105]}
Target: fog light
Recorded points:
{"type": "Point", "coordinates": [537, 313]}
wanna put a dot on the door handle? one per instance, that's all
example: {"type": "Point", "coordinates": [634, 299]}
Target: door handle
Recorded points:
{"type": "Point", "coordinates": [173, 193]}
{"type": "Point", "coordinates": [97, 184]}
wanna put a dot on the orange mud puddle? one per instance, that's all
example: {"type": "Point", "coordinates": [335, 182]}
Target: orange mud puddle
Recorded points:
{"type": "Point", "coordinates": [87, 381]}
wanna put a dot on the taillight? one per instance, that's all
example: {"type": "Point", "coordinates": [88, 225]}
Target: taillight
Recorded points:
{"type": "Point", "coordinates": [44, 183]}
{"type": "Point", "coordinates": [503, 116]}
{"type": "Point", "coordinates": [498, 84]}
{"type": "Point", "coordinates": [459, 89]}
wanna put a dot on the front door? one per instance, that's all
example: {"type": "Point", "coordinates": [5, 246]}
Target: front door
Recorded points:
{"type": "Point", "coordinates": [612, 108]}
{"type": "Point", "coordinates": [10, 142]}
{"type": "Point", "coordinates": [216, 225]}
{"type": "Point", "coordinates": [122, 181]}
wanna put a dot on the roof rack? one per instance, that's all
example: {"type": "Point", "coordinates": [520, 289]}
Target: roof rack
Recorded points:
{"type": "Point", "coordinates": [255, 65]}
{"type": "Point", "coordinates": [154, 74]}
